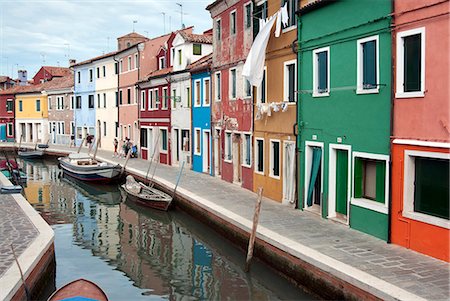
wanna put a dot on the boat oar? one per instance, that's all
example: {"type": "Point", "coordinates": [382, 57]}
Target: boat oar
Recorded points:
{"type": "Point", "coordinates": [178, 181]}
{"type": "Point", "coordinates": [35, 146]}
{"type": "Point", "coordinates": [81, 144]}
{"type": "Point", "coordinates": [153, 156]}
{"type": "Point", "coordinates": [20, 143]}
{"type": "Point", "coordinates": [126, 161]}
{"type": "Point", "coordinates": [96, 148]}
{"type": "Point", "coordinates": [27, 292]}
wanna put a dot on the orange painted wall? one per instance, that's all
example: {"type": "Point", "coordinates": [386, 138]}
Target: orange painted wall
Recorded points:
{"type": "Point", "coordinates": [419, 236]}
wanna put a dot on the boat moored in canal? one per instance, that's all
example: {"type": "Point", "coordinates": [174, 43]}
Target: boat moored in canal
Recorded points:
{"type": "Point", "coordinates": [80, 289]}
{"type": "Point", "coordinates": [30, 154]}
{"type": "Point", "coordinates": [85, 168]}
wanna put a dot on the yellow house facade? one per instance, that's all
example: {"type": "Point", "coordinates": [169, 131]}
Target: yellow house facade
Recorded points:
{"type": "Point", "coordinates": [275, 111]}
{"type": "Point", "coordinates": [32, 115]}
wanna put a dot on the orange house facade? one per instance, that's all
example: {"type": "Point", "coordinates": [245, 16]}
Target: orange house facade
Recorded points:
{"type": "Point", "coordinates": [275, 110]}
{"type": "Point", "coordinates": [421, 128]}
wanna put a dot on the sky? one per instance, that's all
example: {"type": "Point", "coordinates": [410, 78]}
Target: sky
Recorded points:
{"type": "Point", "coordinates": [34, 33]}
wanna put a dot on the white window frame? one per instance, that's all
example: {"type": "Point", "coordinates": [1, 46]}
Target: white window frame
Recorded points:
{"type": "Point", "coordinates": [286, 80]}
{"type": "Point", "coordinates": [161, 150]}
{"type": "Point", "coordinates": [11, 100]}
{"type": "Point", "coordinates": [245, 15]}
{"type": "Point", "coordinates": [271, 157]}
{"type": "Point", "coordinates": [244, 150]}
{"type": "Point", "coordinates": [259, 89]}
{"type": "Point", "coordinates": [121, 66]}
{"type": "Point", "coordinates": [400, 92]}
{"type": "Point", "coordinates": [91, 75]}
{"type": "Point", "coordinates": [217, 87]}
{"type": "Point", "coordinates": [244, 88]}
{"type": "Point", "coordinates": [165, 102]}
{"type": "Point", "coordinates": [289, 28]}
{"type": "Point", "coordinates": [150, 100]}
{"type": "Point", "coordinates": [196, 142]}
{"type": "Point", "coordinates": [161, 62]}
{"type": "Point", "coordinates": [234, 11]}
{"type": "Point", "coordinates": [205, 92]}
{"type": "Point", "coordinates": [72, 128]}
{"type": "Point", "coordinates": [49, 104]}
{"type": "Point", "coordinates": [316, 73]}
{"type": "Point", "coordinates": [366, 203]}
{"type": "Point", "coordinates": [143, 102]}
{"type": "Point", "coordinates": [136, 63]}
{"type": "Point", "coordinates": [256, 155]}
{"type": "Point", "coordinates": [197, 94]}
{"type": "Point", "coordinates": [359, 65]}
{"type": "Point", "coordinates": [230, 84]}
{"type": "Point", "coordinates": [408, 188]}
{"type": "Point", "coordinates": [8, 133]}
{"type": "Point", "coordinates": [228, 157]}
{"type": "Point", "coordinates": [216, 36]}
{"type": "Point", "coordinates": [104, 70]}
{"type": "Point", "coordinates": [79, 77]}
{"type": "Point", "coordinates": [129, 63]}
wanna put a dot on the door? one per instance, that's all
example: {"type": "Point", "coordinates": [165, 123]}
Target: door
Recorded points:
{"type": "Point", "coordinates": [341, 181]}
{"type": "Point", "coordinates": [206, 152]}
{"type": "Point", "coordinates": [217, 157]}
{"type": "Point", "coordinates": [315, 182]}
{"type": "Point", "coordinates": [177, 145]}
{"type": "Point", "coordinates": [237, 158]}
{"type": "Point", "coordinates": [289, 173]}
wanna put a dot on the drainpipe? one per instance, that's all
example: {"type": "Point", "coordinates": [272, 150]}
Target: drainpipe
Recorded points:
{"type": "Point", "coordinates": [118, 101]}
{"type": "Point", "coordinates": [140, 47]}
{"type": "Point", "coordinates": [299, 118]}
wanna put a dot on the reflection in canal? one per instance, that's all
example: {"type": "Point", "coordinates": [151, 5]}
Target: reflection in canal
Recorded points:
{"type": "Point", "coordinates": [137, 253]}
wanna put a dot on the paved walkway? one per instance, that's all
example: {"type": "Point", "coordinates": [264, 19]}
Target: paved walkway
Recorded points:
{"type": "Point", "coordinates": [388, 271]}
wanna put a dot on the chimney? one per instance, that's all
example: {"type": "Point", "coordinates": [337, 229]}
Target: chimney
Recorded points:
{"type": "Point", "coordinates": [22, 76]}
{"type": "Point", "coordinates": [72, 62]}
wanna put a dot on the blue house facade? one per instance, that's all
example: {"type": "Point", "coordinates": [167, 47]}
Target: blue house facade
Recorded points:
{"type": "Point", "coordinates": [201, 115]}
{"type": "Point", "coordinates": [84, 101]}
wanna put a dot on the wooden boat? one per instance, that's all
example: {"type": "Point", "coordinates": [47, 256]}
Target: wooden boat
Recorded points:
{"type": "Point", "coordinates": [85, 168]}
{"type": "Point", "coordinates": [145, 195]}
{"type": "Point", "coordinates": [30, 154]}
{"type": "Point", "coordinates": [80, 289]}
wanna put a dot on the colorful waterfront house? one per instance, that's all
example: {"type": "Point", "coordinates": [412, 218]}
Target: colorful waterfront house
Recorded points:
{"type": "Point", "coordinates": [344, 109]}
{"type": "Point", "coordinates": [232, 106]}
{"type": "Point", "coordinates": [47, 73]}
{"type": "Point", "coordinates": [129, 62]}
{"type": "Point", "coordinates": [61, 102]}
{"type": "Point", "coordinates": [276, 111]}
{"type": "Point", "coordinates": [106, 99]}
{"type": "Point", "coordinates": [186, 48]}
{"type": "Point", "coordinates": [6, 82]}
{"type": "Point", "coordinates": [201, 115]}
{"type": "Point", "coordinates": [421, 130]}
{"type": "Point", "coordinates": [31, 114]}
{"type": "Point", "coordinates": [7, 132]}
{"type": "Point", "coordinates": [84, 93]}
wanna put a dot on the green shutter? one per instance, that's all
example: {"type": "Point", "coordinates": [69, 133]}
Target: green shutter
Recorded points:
{"type": "Point", "coordinates": [369, 65]}
{"type": "Point", "coordinates": [316, 157]}
{"type": "Point", "coordinates": [358, 174]}
{"type": "Point", "coordinates": [381, 177]}
{"type": "Point", "coordinates": [412, 62]}
{"type": "Point", "coordinates": [323, 70]}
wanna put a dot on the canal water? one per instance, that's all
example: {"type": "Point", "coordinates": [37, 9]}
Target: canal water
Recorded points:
{"type": "Point", "coordinates": [135, 253]}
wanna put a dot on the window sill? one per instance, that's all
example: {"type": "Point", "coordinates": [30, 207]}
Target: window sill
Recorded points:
{"type": "Point", "coordinates": [228, 161]}
{"type": "Point", "coordinates": [163, 151]}
{"type": "Point", "coordinates": [197, 154]}
{"type": "Point", "coordinates": [218, 100]}
{"type": "Point", "coordinates": [369, 204]}
{"type": "Point", "coordinates": [432, 220]}
{"type": "Point", "coordinates": [197, 105]}
{"type": "Point", "coordinates": [274, 177]}
{"type": "Point", "coordinates": [246, 165]}
{"type": "Point", "coordinates": [316, 94]}
{"type": "Point", "coordinates": [206, 105]}
{"type": "Point", "coordinates": [290, 28]}
{"type": "Point", "coordinates": [261, 173]}
{"type": "Point", "coordinates": [417, 94]}
{"type": "Point", "coordinates": [367, 91]}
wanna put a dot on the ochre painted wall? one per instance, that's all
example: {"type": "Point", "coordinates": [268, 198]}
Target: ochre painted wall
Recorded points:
{"type": "Point", "coordinates": [29, 106]}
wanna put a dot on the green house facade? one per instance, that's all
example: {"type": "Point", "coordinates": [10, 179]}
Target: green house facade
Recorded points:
{"type": "Point", "coordinates": [344, 109]}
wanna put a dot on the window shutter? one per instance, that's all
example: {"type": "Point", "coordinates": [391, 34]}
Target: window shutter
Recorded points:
{"type": "Point", "coordinates": [291, 72]}
{"type": "Point", "coordinates": [358, 178]}
{"type": "Point", "coordinates": [322, 64]}
{"type": "Point", "coordinates": [276, 158]}
{"type": "Point", "coordinates": [412, 63]}
{"type": "Point", "coordinates": [381, 176]}
{"type": "Point", "coordinates": [369, 65]}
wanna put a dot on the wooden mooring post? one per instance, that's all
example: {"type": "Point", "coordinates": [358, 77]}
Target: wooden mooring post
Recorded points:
{"type": "Point", "coordinates": [251, 241]}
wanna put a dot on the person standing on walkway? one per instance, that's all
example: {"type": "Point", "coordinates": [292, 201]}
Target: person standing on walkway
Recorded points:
{"type": "Point", "coordinates": [116, 143]}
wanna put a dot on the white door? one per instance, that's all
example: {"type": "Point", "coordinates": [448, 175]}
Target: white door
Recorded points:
{"type": "Point", "coordinates": [289, 172]}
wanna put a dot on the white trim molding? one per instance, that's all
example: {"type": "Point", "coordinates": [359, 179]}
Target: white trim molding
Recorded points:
{"type": "Point", "coordinates": [316, 72]}
{"type": "Point", "coordinates": [422, 143]}
{"type": "Point", "coordinates": [286, 80]}
{"type": "Point", "coordinates": [256, 155]}
{"type": "Point", "coordinates": [308, 165]}
{"type": "Point", "coordinates": [360, 65]}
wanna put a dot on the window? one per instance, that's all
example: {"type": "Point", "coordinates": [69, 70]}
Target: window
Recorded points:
{"type": "Point", "coordinates": [262, 89]}
{"type": "Point", "coordinates": [233, 23]}
{"type": "Point", "coordinates": [197, 93]}
{"type": "Point", "coordinates": [217, 86]}
{"type": "Point", "coordinates": [72, 128]}
{"type": "Point", "coordinates": [20, 106]}
{"type": "Point", "coordinates": [259, 156]}
{"type": "Point", "coordinates": [259, 13]}
{"type": "Point", "coordinates": [197, 49]}
{"type": "Point", "coordinates": [79, 132]}
{"type": "Point", "coordinates": [104, 128]}
{"type": "Point", "coordinates": [411, 63]}
{"type": "Point", "coordinates": [247, 150]}
{"type": "Point", "coordinates": [151, 104]}
{"type": "Point", "coordinates": [289, 81]}
{"type": "Point", "coordinates": [104, 71]}
{"type": "Point", "coordinates": [79, 77]}
{"type": "Point", "coordinates": [98, 100]}
{"type": "Point", "coordinates": [121, 66]}
{"type": "Point", "coordinates": [233, 83]}
{"type": "Point", "coordinates": [180, 58]}
{"type": "Point", "coordinates": [188, 97]}
{"type": "Point", "coordinates": [91, 104]}
{"type": "Point", "coordinates": [60, 103]}
{"type": "Point", "coordinates": [49, 103]}
{"type": "Point", "coordinates": [162, 62]}
{"type": "Point", "coordinates": [117, 129]}
{"type": "Point", "coordinates": [367, 65]}
{"type": "Point", "coordinates": [78, 102]}
{"type": "Point", "coordinates": [218, 30]}
{"type": "Point", "coordinates": [163, 140]}
{"type": "Point", "coordinates": [197, 139]}
{"type": "Point", "coordinates": [228, 145]}
{"type": "Point", "coordinates": [104, 100]}
{"type": "Point", "coordinates": [321, 72]}
{"type": "Point", "coordinates": [10, 130]}
{"type": "Point", "coordinates": [129, 96]}
{"type": "Point", "coordinates": [136, 61]}
{"type": "Point", "coordinates": [143, 100]}
{"type": "Point", "coordinates": [98, 72]}
{"type": "Point", "coordinates": [248, 15]}
{"type": "Point", "coordinates": [274, 158]}
{"type": "Point", "coordinates": [291, 8]}
{"type": "Point", "coordinates": [247, 88]}
{"type": "Point", "coordinates": [369, 179]}
{"type": "Point", "coordinates": [136, 95]}
{"type": "Point", "coordinates": [120, 97]}
{"type": "Point", "coordinates": [175, 99]}
{"type": "Point", "coordinates": [206, 92]}
{"type": "Point", "coordinates": [172, 56]}
{"type": "Point", "coordinates": [91, 75]}
{"type": "Point", "coordinates": [165, 99]}
{"type": "Point", "coordinates": [129, 63]}
{"type": "Point", "coordinates": [72, 102]}
{"type": "Point", "coordinates": [38, 105]}
{"type": "Point", "coordinates": [116, 68]}
{"type": "Point", "coordinates": [9, 105]}
{"type": "Point", "coordinates": [185, 140]}
{"type": "Point", "coordinates": [157, 100]}
{"type": "Point", "coordinates": [144, 137]}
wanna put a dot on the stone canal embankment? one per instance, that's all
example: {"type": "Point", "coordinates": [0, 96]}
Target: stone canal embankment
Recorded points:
{"type": "Point", "coordinates": [326, 258]}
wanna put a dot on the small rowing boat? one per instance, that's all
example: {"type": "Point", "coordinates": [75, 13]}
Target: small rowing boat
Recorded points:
{"type": "Point", "coordinates": [81, 290]}
{"type": "Point", "coordinates": [146, 195]}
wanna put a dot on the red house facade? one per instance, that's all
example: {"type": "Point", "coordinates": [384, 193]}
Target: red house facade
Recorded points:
{"type": "Point", "coordinates": [7, 114]}
{"type": "Point", "coordinates": [232, 106]}
{"type": "Point", "coordinates": [47, 73]}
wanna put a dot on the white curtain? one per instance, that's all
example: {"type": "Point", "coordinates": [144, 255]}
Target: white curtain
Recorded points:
{"type": "Point", "coordinates": [289, 180]}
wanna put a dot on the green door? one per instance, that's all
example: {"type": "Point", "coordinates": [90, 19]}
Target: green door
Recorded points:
{"type": "Point", "coordinates": [341, 181]}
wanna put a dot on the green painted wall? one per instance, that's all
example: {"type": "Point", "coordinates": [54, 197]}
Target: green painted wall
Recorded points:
{"type": "Point", "coordinates": [362, 121]}
{"type": "Point", "coordinates": [376, 225]}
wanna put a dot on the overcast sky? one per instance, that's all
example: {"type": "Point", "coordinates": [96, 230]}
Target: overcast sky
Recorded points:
{"type": "Point", "coordinates": [35, 33]}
